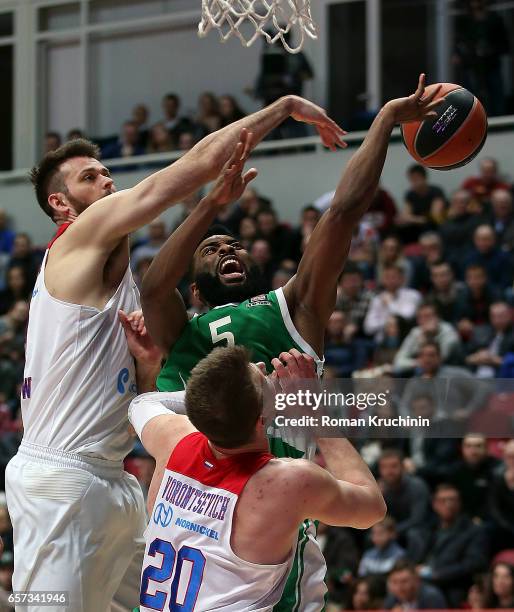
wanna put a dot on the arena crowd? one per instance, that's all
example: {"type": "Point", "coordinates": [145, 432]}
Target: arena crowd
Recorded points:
{"type": "Point", "coordinates": [427, 292]}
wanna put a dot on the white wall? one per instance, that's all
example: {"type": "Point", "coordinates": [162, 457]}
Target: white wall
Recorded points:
{"type": "Point", "coordinates": [142, 67]}
{"type": "Point", "coordinates": [290, 181]}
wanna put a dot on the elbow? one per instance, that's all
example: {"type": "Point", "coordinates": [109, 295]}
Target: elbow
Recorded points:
{"type": "Point", "coordinates": [374, 512]}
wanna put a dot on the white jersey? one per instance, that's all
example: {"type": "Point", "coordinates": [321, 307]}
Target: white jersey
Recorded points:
{"type": "Point", "coordinates": [189, 562]}
{"type": "Point", "coordinates": [79, 375]}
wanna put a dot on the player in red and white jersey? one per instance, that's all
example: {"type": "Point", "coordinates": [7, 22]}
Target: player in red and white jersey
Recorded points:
{"type": "Point", "coordinates": [224, 513]}
{"type": "Point", "coordinates": [77, 516]}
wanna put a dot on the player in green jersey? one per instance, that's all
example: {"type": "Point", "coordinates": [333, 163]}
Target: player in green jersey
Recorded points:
{"type": "Point", "coordinates": [225, 279]}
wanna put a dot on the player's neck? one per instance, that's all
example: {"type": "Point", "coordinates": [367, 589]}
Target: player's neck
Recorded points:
{"type": "Point", "coordinates": [258, 446]}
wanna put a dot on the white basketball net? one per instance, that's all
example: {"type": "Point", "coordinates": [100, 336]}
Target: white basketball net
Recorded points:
{"type": "Point", "coordinates": [270, 18]}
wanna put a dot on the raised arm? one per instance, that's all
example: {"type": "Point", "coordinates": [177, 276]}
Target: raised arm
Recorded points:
{"type": "Point", "coordinates": [346, 494]}
{"type": "Point", "coordinates": [311, 294]}
{"type": "Point", "coordinates": [131, 209]}
{"type": "Point", "coordinates": [164, 309]}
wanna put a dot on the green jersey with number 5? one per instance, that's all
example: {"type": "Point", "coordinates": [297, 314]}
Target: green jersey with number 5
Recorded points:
{"type": "Point", "coordinates": [264, 326]}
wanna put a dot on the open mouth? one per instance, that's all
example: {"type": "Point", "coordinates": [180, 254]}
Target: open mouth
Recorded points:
{"type": "Point", "coordinates": [231, 270]}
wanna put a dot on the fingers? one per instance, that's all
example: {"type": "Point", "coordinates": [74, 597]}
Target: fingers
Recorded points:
{"type": "Point", "coordinates": [279, 368]}
{"type": "Point", "coordinates": [432, 95]}
{"type": "Point", "coordinates": [249, 176]}
{"type": "Point", "coordinates": [421, 86]}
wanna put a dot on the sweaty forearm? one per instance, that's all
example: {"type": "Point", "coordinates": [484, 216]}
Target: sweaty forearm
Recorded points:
{"type": "Point", "coordinates": [360, 179]}
{"type": "Point", "coordinates": [214, 150]}
{"type": "Point", "coordinates": [173, 260]}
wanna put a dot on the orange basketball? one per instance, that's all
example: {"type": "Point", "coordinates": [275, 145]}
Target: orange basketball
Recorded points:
{"type": "Point", "coordinates": [454, 137]}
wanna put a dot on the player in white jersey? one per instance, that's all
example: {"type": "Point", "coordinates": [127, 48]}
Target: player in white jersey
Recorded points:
{"type": "Point", "coordinates": [224, 513]}
{"type": "Point", "coordinates": [77, 516]}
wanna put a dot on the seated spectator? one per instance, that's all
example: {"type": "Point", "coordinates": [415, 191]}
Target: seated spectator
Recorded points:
{"type": "Point", "coordinates": [365, 595]}
{"type": "Point", "coordinates": [431, 458]}
{"type": "Point", "coordinates": [342, 351]}
{"type": "Point", "coordinates": [208, 117]}
{"type": "Point", "coordinates": [457, 231]}
{"type": "Point", "coordinates": [352, 297]}
{"type": "Point", "coordinates": [140, 115]}
{"type": "Point", "coordinates": [281, 278]}
{"type": "Point", "coordinates": [13, 325]}
{"type": "Point", "coordinates": [486, 253]}
{"type": "Point", "coordinates": [75, 134]}
{"type": "Point", "coordinates": [500, 592]}
{"type": "Point", "coordinates": [16, 289]}
{"type": "Point", "coordinates": [186, 141]}
{"type": "Point", "coordinates": [476, 595]}
{"type": "Point", "coordinates": [159, 139]}
{"type": "Point", "coordinates": [379, 559]}
{"type": "Point", "coordinates": [502, 218]}
{"type": "Point", "coordinates": [24, 256]}
{"type": "Point", "coordinates": [249, 205]}
{"type": "Point", "coordinates": [6, 234]}
{"type": "Point", "coordinates": [53, 141]}
{"type": "Point", "coordinates": [394, 299]}
{"type": "Point", "coordinates": [391, 252]}
{"type": "Point", "coordinates": [447, 294]}
{"type": "Point", "coordinates": [488, 345]}
{"type": "Point", "coordinates": [149, 247]}
{"type": "Point", "coordinates": [431, 254]}
{"type": "Point", "coordinates": [475, 302]}
{"type": "Point", "coordinates": [407, 498]}
{"type": "Point", "coordinates": [175, 124]}
{"type": "Point", "coordinates": [261, 255]}
{"type": "Point", "coordinates": [482, 186]}
{"type": "Point", "coordinates": [277, 235]}
{"type": "Point", "coordinates": [501, 500]}
{"type": "Point", "coordinates": [300, 235]}
{"type": "Point", "coordinates": [230, 110]}
{"type": "Point", "coordinates": [429, 329]}
{"type": "Point", "coordinates": [381, 212]}
{"type": "Point", "coordinates": [364, 247]}
{"type": "Point", "coordinates": [473, 476]}
{"type": "Point", "coordinates": [424, 206]}
{"type": "Point", "coordinates": [127, 145]}
{"type": "Point", "coordinates": [461, 393]}
{"type": "Point", "coordinates": [247, 231]}
{"type": "Point", "coordinates": [454, 548]}
{"type": "Point", "coordinates": [395, 330]}
{"type": "Point", "coordinates": [405, 591]}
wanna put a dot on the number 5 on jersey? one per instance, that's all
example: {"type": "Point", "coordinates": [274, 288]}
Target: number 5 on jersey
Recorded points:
{"type": "Point", "coordinates": [217, 336]}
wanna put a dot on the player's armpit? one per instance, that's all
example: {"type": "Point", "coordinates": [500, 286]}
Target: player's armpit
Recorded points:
{"type": "Point", "coordinates": [336, 502]}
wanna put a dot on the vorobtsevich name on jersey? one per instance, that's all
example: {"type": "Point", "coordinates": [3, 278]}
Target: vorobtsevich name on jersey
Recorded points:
{"type": "Point", "coordinates": [371, 421]}
{"type": "Point", "coordinates": [183, 495]}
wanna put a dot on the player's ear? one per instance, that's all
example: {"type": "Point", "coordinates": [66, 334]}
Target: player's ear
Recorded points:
{"type": "Point", "coordinates": [59, 205]}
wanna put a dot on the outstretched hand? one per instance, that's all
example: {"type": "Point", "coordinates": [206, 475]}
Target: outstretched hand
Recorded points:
{"type": "Point", "coordinates": [417, 106]}
{"type": "Point", "coordinates": [307, 112]}
{"type": "Point", "coordinates": [232, 182]}
{"type": "Point", "coordinates": [141, 346]}
{"type": "Point", "coordinates": [290, 368]}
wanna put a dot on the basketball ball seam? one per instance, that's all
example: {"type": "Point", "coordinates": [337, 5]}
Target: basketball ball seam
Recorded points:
{"type": "Point", "coordinates": [415, 143]}
{"type": "Point", "coordinates": [468, 118]}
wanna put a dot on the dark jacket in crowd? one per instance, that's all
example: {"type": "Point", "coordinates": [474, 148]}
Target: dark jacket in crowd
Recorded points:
{"type": "Point", "coordinates": [455, 554]}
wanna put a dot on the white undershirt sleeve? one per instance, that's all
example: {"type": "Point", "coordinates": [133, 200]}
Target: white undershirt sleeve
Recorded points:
{"type": "Point", "coordinates": [147, 406]}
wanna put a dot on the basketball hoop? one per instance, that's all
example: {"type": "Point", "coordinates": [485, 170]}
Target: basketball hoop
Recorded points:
{"type": "Point", "coordinates": [273, 19]}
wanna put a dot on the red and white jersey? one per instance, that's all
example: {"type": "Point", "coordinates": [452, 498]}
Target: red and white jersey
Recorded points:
{"type": "Point", "coordinates": [79, 375]}
{"type": "Point", "coordinates": [189, 562]}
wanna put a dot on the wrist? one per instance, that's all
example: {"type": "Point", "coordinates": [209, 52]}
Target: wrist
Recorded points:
{"type": "Point", "coordinates": [388, 112]}
{"type": "Point", "coordinates": [289, 103]}
{"type": "Point", "coordinates": [209, 203]}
